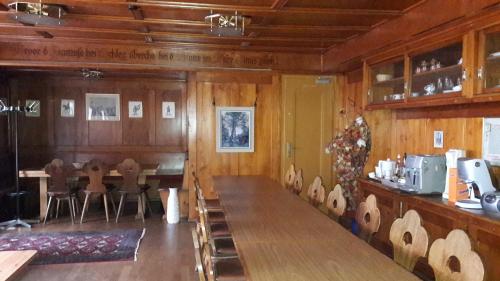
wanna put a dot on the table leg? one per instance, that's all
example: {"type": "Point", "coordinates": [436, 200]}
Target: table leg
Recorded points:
{"type": "Point", "coordinates": [140, 203]}
{"type": "Point", "coordinates": [43, 197]}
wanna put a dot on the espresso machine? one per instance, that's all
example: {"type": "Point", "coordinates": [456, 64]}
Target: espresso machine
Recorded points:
{"type": "Point", "coordinates": [474, 173]}
{"type": "Point", "coordinates": [425, 174]}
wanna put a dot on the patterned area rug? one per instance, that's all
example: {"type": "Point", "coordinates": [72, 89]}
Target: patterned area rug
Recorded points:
{"type": "Point", "coordinates": [79, 246]}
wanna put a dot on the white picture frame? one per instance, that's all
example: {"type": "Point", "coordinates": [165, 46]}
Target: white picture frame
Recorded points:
{"type": "Point", "coordinates": [235, 129]}
{"type": "Point", "coordinates": [491, 141]}
{"type": "Point", "coordinates": [36, 108]}
{"type": "Point", "coordinates": [135, 109]}
{"type": "Point", "coordinates": [438, 139]}
{"type": "Point", "coordinates": [168, 110]}
{"type": "Point", "coordinates": [102, 107]}
{"type": "Point", "coordinates": [67, 108]}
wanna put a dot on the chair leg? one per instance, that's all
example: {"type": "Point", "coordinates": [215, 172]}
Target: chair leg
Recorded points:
{"type": "Point", "coordinates": [48, 209]}
{"type": "Point", "coordinates": [120, 207]}
{"type": "Point", "coordinates": [85, 207]}
{"type": "Point", "coordinates": [104, 197]}
{"type": "Point", "coordinates": [139, 198]}
{"type": "Point", "coordinates": [148, 203]}
{"type": "Point", "coordinates": [112, 202]}
{"type": "Point", "coordinates": [71, 210]}
{"type": "Point", "coordinates": [57, 207]}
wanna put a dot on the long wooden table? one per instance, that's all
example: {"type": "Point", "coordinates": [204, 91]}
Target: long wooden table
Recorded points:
{"type": "Point", "coordinates": [281, 237]}
{"type": "Point", "coordinates": [13, 262]}
{"type": "Point", "coordinates": [147, 170]}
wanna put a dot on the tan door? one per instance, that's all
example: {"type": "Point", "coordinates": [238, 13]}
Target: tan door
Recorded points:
{"type": "Point", "coordinates": [308, 126]}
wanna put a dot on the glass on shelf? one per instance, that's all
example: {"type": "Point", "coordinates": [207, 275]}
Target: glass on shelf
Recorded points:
{"type": "Point", "coordinates": [387, 82]}
{"type": "Point", "coordinates": [491, 71]}
{"type": "Point", "coordinates": [437, 72]}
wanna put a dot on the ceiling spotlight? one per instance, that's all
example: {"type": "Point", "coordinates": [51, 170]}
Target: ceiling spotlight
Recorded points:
{"type": "Point", "coordinates": [92, 74]}
{"type": "Point", "coordinates": [37, 13]}
{"type": "Point", "coordinates": [227, 25]}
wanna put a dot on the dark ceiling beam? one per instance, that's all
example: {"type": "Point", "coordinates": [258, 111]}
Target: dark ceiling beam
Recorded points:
{"type": "Point", "coordinates": [136, 12]}
{"type": "Point", "coordinates": [278, 4]}
{"type": "Point", "coordinates": [251, 10]}
{"type": "Point", "coordinates": [55, 29]}
{"type": "Point", "coordinates": [45, 34]}
{"type": "Point", "coordinates": [3, 7]}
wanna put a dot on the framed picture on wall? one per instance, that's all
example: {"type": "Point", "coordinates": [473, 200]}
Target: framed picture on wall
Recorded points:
{"type": "Point", "coordinates": [102, 107]}
{"type": "Point", "coordinates": [168, 109]}
{"type": "Point", "coordinates": [67, 108]}
{"type": "Point", "coordinates": [438, 139]}
{"type": "Point", "coordinates": [235, 129]}
{"type": "Point", "coordinates": [135, 109]}
{"type": "Point", "coordinates": [35, 108]}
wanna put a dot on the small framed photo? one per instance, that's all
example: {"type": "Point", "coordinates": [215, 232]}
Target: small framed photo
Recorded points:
{"type": "Point", "coordinates": [438, 139]}
{"type": "Point", "coordinates": [67, 108]}
{"type": "Point", "coordinates": [235, 129]}
{"type": "Point", "coordinates": [168, 109]}
{"type": "Point", "coordinates": [102, 107]}
{"type": "Point", "coordinates": [135, 109]}
{"type": "Point", "coordinates": [34, 106]}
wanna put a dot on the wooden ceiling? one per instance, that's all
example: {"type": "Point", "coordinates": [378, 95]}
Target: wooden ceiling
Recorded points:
{"type": "Point", "coordinates": [276, 25]}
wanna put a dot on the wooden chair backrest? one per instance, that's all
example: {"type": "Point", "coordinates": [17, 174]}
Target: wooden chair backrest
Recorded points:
{"type": "Point", "coordinates": [290, 177]}
{"type": "Point", "coordinates": [368, 218]}
{"type": "Point", "coordinates": [197, 187]}
{"type": "Point", "coordinates": [185, 175]}
{"type": "Point", "coordinates": [453, 259]}
{"type": "Point", "coordinates": [298, 182]}
{"type": "Point", "coordinates": [58, 175]}
{"type": "Point", "coordinates": [198, 255]}
{"type": "Point", "coordinates": [316, 192]}
{"type": "Point", "coordinates": [336, 203]}
{"type": "Point", "coordinates": [130, 170]}
{"type": "Point", "coordinates": [96, 170]}
{"type": "Point", "coordinates": [409, 239]}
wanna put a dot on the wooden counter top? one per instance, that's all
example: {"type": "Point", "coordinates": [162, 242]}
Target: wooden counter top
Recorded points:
{"type": "Point", "coordinates": [281, 237]}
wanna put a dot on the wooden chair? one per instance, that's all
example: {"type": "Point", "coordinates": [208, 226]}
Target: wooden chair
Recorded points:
{"type": "Point", "coordinates": [409, 240]}
{"type": "Point", "coordinates": [453, 259]}
{"type": "Point", "coordinates": [58, 189]}
{"type": "Point", "coordinates": [198, 254]}
{"type": "Point", "coordinates": [96, 170]}
{"type": "Point", "coordinates": [290, 177]}
{"type": "Point", "coordinates": [336, 203]}
{"type": "Point", "coordinates": [298, 182]}
{"type": "Point", "coordinates": [210, 204]}
{"type": "Point", "coordinates": [316, 192]}
{"type": "Point", "coordinates": [130, 170]}
{"type": "Point", "coordinates": [368, 218]}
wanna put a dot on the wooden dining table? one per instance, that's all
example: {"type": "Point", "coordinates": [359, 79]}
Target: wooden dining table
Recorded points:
{"type": "Point", "coordinates": [279, 236]}
{"type": "Point", "coordinates": [147, 170]}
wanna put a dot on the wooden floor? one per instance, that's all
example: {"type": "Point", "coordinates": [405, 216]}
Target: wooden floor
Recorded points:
{"type": "Point", "coordinates": [166, 253]}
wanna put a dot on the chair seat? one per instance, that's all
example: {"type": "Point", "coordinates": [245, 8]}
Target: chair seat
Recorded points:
{"type": "Point", "coordinates": [219, 230]}
{"type": "Point", "coordinates": [225, 247]}
{"type": "Point", "coordinates": [58, 193]}
{"type": "Point", "coordinates": [216, 216]}
{"type": "Point", "coordinates": [212, 202]}
{"type": "Point", "coordinates": [229, 270]}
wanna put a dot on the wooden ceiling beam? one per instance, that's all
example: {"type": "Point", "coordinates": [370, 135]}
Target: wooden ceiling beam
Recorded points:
{"type": "Point", "coordinates": [166, 34]}
{"type": "Point", "coordinates": [171, 44]}
{"type": "Point", "coordinates": [136, 12]}
{"type": "Point", "coordinates": [3, 7]}
{"type": "Point", "coordinates": [44, 34]}
{"type": "Point", "coordinates": [279, 4]}
{"type": "Point", "coordinates": [251, 10]}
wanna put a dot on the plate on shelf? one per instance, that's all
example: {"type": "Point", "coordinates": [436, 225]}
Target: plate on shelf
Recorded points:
{"type": "Point", "coordinates": [494, 55]}
{"type": "Point", "coordinates": [449, 91]}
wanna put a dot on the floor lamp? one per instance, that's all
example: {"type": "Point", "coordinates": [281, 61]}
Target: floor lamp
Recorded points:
{"type": "Point", "coordinates": [14, 112]}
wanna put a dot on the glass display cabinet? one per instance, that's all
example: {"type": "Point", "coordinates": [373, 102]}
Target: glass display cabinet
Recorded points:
{"type": "Point", "coordinates": [386, 82]}
{"type": "Point", "coordinates": [488, 72]}
{"type": "Point", "coordinates": [437, 73]}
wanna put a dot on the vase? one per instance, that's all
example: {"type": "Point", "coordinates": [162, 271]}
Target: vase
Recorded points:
{"type": "Point", "coordinates": [173, 206]}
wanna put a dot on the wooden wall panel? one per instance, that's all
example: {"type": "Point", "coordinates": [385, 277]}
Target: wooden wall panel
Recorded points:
{"type": "Point", "coordinates": [5, 163]}
{"type": "Point", "coordinates": [149, 139]}
{"type": "Point", "coordinates": [216, 88]}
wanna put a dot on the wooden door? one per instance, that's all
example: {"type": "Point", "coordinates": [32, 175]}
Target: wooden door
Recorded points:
{"type": "Point", "coordinates": [308, 123]}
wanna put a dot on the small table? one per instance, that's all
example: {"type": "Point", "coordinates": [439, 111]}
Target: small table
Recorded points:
{"type": "Point", "coordinates": [13, 262]}
{"type": "Point", "coordinates": [147, 170]}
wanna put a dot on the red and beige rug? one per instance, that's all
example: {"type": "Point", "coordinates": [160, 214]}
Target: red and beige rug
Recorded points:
{"type": "Point", "coordinates": [74, 247]}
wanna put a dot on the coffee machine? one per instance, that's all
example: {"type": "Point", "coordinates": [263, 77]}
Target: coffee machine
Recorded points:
{"type": "Point", "coordinates": [425, 174]}
{"type": "Point", "coordinates": [474, 173]}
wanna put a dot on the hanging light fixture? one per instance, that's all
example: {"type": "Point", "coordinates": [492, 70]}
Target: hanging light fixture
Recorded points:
{"type": "Point", "coordinates": [37, 13]}
{"type": "Point", "coordinates": [227, 24]}
{"type": "Point", "coordinates": [92, 74]}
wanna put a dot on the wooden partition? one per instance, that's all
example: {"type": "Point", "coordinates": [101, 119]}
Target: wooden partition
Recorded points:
{"type": "Point", "coordinates": [150, 139]}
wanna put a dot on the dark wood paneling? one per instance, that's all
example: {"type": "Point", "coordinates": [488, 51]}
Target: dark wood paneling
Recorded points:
{"type": "Point", "coordinates": [77, 140]}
